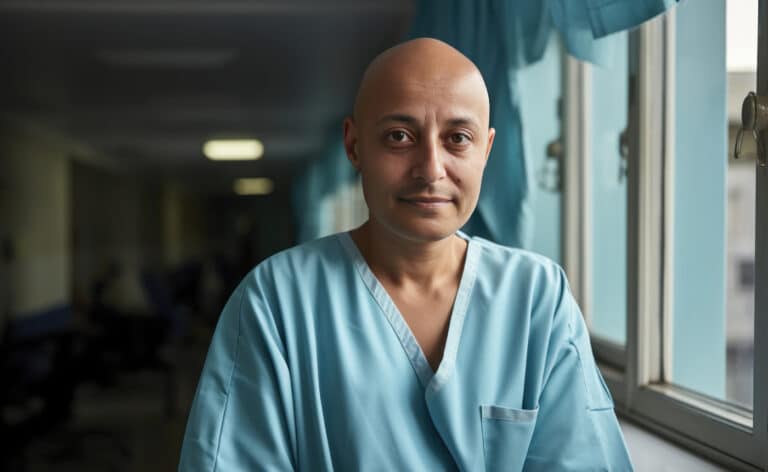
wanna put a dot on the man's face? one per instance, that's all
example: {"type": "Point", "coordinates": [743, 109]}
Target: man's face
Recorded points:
{"type": "Point", "coordinates": [421, 145]}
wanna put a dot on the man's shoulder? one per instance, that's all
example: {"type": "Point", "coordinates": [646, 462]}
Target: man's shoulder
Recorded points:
{"type": "Point", "coordinates": [301, 257]}
{"type": "Point", "coordinates": [504, 258]}
{"type": "Point", "coordinates": [319, 247]}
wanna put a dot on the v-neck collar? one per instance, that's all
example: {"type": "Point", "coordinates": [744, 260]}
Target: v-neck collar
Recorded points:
{"type": "Point", "coordinates": [432, 381]}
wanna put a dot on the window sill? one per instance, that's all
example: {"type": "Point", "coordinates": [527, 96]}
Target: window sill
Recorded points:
{"type": "Point", "coordinates": [653, 453]}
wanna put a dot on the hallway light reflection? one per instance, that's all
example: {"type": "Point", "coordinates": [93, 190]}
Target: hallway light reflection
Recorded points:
{"type": "Point", "coordinates": [233, 149]}
{"type": "Point", "coordinates": [255, 186]}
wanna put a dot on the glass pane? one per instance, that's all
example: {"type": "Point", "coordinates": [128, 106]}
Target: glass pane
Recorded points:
{"type": "Point", "coordinates": [714, 201]}
{"type": "Point", "coordinates": [539, 94]}
{"type": "Point", "coordinates": [741, 60]}
{"type": "Point", "coordinates": [609, 197]}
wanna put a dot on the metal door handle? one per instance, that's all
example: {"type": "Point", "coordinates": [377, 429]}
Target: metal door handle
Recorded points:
{"type": "Point", "coordinates": [549, 175]}
{"type": "Point", "coordinates": [754, 119]}
{"type": "Point", "coordinates": [623, 154]}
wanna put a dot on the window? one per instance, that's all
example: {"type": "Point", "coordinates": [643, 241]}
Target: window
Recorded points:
{"type": "Point", "coordinates": [712, 227]}
{"type": "Point", "coordinates": [667, 261]}
{"type": "Point", "coordinates": [540, 86]}
{"type": "Point", "coordinates": [595, 196]}
{"type": "Point", "coordinates": [741, 67]}
{"type": "Point", "coordinates": [608, 198]}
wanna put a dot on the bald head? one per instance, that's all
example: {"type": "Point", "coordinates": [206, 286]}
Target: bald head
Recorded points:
{"type": "Point", "coordinates": [420, 138]}
{"type": "Point", "coordinates": [426, 63]}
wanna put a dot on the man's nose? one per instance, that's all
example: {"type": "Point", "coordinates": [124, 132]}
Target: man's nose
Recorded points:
{"type": "Point", "coordinates": [429, 165]}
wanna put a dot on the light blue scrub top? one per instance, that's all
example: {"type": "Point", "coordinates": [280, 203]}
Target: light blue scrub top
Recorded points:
{"type": "Point", "coordinates": [312, 367]}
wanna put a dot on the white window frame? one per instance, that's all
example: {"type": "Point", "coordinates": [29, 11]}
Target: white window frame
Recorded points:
{"type": "Point", "coordinates": [636, 373]}
{"type": "Point", "coordinates": [576, 199]}
{"type": "Point", "coordinates": [576, 217]}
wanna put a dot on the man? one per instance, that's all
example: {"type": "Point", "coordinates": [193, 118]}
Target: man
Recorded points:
{"type": "Point", "coordinates": [404, 344]}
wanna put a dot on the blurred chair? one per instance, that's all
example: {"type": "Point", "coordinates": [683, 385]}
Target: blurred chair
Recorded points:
{"type": "Point", "coordinates": [127, 342]}
{"type": "Point", "coordinates": [39, 376]}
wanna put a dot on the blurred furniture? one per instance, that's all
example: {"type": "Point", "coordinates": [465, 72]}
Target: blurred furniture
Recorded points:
{"type": "Point", "coordinates": [39, 376]}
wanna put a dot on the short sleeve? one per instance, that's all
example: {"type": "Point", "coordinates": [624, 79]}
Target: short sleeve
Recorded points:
{"type": "Point", "coordinates": [241, 416]}
{"type": "Point", "coordinates": [576, 427]}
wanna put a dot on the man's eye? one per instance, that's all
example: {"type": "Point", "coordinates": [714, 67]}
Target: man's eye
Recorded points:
{"type": "Point", "coordinates": [398, 136]}
{"type": "Point", "coordinates": [459, 138]}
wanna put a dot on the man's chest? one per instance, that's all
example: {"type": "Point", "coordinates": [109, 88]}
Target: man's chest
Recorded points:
{"type": "Point", "coordinates": [428, 318]}
{"type": "Point", "coordinates": [364, 376]}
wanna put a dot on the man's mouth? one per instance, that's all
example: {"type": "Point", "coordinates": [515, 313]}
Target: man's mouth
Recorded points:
{"type": "Point", "coordinates": [427, 201]}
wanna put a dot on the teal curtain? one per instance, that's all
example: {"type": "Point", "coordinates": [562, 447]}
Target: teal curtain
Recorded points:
{"type": "Point", "coordinates": [326, 173]}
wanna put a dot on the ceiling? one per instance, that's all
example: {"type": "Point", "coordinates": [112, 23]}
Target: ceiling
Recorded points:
{"type": "Point", "coordinates": [146, 82]}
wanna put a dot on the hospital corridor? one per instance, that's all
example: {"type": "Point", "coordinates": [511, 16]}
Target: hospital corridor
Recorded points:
{"type": "Point", "coordinates": [383, 235]}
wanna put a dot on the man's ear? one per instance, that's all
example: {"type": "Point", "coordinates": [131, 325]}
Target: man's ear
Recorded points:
{"type": "Point", "coordinates": [491, 136]}
{"type": "Point", "coordinates": [350, 142]}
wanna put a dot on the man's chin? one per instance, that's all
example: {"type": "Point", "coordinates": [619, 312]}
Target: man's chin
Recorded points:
{"type": "Point", "coordinates": [429, 231]}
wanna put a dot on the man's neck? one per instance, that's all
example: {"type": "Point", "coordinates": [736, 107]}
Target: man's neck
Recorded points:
{"type": "Point", "coordinates": [402, 262]}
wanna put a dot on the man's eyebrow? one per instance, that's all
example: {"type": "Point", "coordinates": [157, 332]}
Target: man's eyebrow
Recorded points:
{"type": "Point", "coordinates": [408, 119]}
{"type": "Point", "coordinates": [398, 117]}
{"type": "Point", "coordinates": [464, 121]}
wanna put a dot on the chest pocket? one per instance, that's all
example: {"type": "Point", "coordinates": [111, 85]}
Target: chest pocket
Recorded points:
{"type": "Point", "coordinates": [507, 434]}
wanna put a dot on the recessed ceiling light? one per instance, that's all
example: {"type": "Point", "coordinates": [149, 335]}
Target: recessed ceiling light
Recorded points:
{"type": "Point", "coordinates": [256, 186]}
{"type": "Point", "coordinates": [233, 149]}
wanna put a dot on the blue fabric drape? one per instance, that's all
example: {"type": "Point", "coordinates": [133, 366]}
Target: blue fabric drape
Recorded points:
{"type": "Point", "coordinates": [322, 177]}
{"type": "Point", "coordinates": [500, 37]}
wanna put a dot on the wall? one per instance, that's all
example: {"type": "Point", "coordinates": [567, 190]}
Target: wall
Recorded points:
{"type": "Point", "coordinates": [184, 230]}
{"type": "Point", "coordinates": [35, 209]}
{"type": "Point", "coordinates": [117, 220]}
